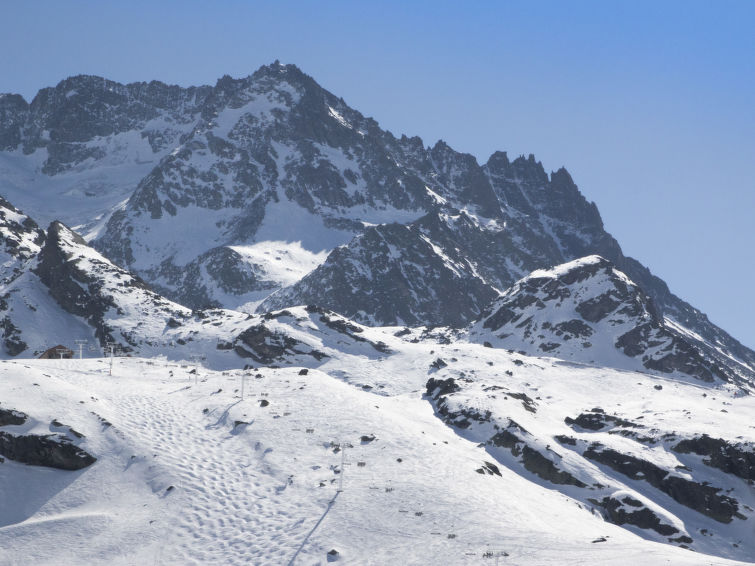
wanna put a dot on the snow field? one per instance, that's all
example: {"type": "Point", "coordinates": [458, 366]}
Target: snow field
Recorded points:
{"type": "Point", "coordinates": [251, 493]}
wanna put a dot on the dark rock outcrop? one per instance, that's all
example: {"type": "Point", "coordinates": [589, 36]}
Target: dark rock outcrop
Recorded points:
{"type": "Point", "coordinates": [267, 347]}
{"type": "Point", "coordinates": [598, 420]}
{"type": "Point", "coordinates": [736, 459]}
{"type": "Point", "coordinates": [703, 498]}
{"type": "Point", "coordinates": [633, 512]}
{"type": "Point", "coordinates": [11, 417]}
{"type": "Point", "coordinates": [53, 451]}
{"type": "Point", "coordinates": [439, 387]}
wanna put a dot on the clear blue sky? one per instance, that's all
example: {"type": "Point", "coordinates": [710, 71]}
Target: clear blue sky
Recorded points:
{"type": "Point", "coordinates": [650, 105]}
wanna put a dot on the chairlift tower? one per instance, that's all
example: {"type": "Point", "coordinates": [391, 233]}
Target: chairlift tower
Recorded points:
{"type": "Point", "coordinates": [81, 343]}
{"type": "Point", "coordinates": [110, 347]}
{"type": "Point", "coordinates": [197, 359]}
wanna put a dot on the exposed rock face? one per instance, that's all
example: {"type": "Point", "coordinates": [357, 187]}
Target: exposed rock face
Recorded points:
{"type": "Point", "coordinates": [79, 109]}
{"type": "Point", "coordinates": [588, 311]}
{"type": "Point", "coordinates": [20, 240]}
{"type": "Point", "coordinates": [13, 112]}
{"type": "Point", "coordinates": [268, 347]}
{"type": "Point", "coordinates": [11, 417]}
{"type": "Point", "coordinates": [408, 281]}
{"type": "Point", "coordinates": [438, 387]}
{"type": "Point", "coordinates": [598, 420]}
{"type": "Point", "coordinates": [67, 282]}
{"type": "Point", "coordinates": [736, 459]}
{"type": "Point", "coordinates": [53, 451]}
{"type": "Point", "coordinates": [628, 510]}
{"type": "Point", "coordinates": [535, 462]}
{"type": "Point", "coordinates": [87, 285]}
{"type": "Point", "coordinates": [702, 498]}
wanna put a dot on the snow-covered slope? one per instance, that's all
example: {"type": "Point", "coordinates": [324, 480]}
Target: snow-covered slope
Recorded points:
{"type": "Point", "coordinates": [68, 292]}
{"type": "Point", "coordinates": [179, 456]}
{"type": "Point", "coordinates": [240, 467]}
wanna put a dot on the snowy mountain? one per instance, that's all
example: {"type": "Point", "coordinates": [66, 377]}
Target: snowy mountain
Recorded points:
{"type": "Point", "coordinates": [293, 285]}
{"type": "Point", "coordinates": [78, 150]}
{"type": "Point", "coordinates": [220, 196]}
{"type": "Point", "coordinates": [81, 295]}
{"type": "Point", "coordinates": [590, 312]}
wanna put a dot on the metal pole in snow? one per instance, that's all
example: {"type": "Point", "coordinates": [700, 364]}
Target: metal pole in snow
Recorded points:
{"type": "Point", "coordinates": [343, 463]}
{"type": "Point", "coordinates": [110, 347]}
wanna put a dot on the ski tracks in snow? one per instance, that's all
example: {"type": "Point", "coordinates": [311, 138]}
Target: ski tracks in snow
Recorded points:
{"type": "Point", "coordinates": [222, 487]}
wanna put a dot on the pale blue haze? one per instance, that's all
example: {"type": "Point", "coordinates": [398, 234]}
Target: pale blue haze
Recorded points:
{"type": "Point", "coordinates": [650, 105]}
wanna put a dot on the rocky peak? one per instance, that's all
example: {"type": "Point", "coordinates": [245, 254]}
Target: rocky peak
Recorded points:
{"type": "Point", "coordinates": [515, 182]}
{"type": "Point", "coordinates": [590, 287]}
{"type": "Point", "coordinates": [464, 180]}
{"type": "Point", "coordinates": [79, 109]}
{"type": "Point", "coordinates": [523, 169]}
{"type": "Point", "coordinates": [566, 203]}
{"type": "Point", "coordinates": [58, 268]}
{"type": "Point", "coordinates": [13, 112]}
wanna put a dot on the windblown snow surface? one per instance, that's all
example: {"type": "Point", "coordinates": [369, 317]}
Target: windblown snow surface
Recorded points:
{"type": "Point", "coordinates": [243, 466]}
